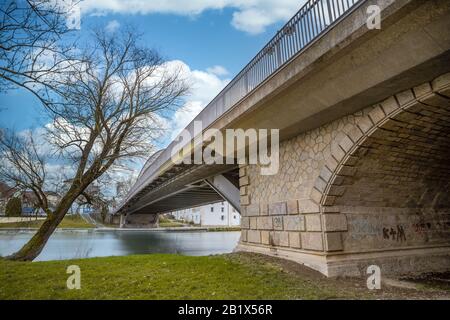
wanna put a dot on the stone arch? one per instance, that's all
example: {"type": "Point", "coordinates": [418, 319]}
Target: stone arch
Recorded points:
{"type": "Point", "coordinates": [393, 160]}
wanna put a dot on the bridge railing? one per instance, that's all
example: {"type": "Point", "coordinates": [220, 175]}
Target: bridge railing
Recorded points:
{"type": "Point", "coordinates": [313, 19]}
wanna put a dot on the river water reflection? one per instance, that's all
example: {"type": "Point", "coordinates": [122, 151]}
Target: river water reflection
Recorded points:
{"type": "Point", "coordinates": [96, 243]}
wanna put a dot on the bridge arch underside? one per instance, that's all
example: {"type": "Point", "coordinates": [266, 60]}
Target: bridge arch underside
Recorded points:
{"type": "Point", "coordinates": [375, 191]}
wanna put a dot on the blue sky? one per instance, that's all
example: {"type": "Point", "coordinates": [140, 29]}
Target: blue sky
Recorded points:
{"type": "Point", "coordinates": [214, 39]}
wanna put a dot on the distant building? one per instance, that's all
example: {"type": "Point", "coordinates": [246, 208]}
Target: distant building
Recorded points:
{"type": "Point", "coordinates": [218, 214]}
{"type": "Point", "coordinates": [30, 205]}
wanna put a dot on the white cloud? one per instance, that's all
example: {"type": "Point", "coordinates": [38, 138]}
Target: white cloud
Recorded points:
{"type": "Point", "coordinates": [251, 16]}
{"type": "Point", "coordinates": [218, 71]}
{"type": "Point", "coordinates": [112, 26]}
{"type": "Point", "coordinates": [205, 85]}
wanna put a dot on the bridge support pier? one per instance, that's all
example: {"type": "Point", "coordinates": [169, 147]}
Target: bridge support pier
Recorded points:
{"type": "Point", "coordinates": [371, 188]}
{"type": "Point", "coordinates": [139, 221]}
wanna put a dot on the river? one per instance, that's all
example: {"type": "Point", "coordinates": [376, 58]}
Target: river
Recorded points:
{"type": "Point", "coordinates": [79, 244]}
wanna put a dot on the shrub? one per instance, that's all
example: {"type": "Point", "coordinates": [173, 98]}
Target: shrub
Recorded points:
{"type": "Point", "coordinates": [14, 207]}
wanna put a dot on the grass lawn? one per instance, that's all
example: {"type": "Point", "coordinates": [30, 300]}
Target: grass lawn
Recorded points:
{"type": "Point", "coordinates": [234, 276]}
{"type": "Point", "coordinates": [70, 222]}
{"type": "Point", "coordinates": [158, 277]}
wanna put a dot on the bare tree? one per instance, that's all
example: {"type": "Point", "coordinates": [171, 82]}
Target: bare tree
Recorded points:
{"type": "Point", "coordinates": [109, 111]}
{"type": "Point", "coordinates": [31, 47]}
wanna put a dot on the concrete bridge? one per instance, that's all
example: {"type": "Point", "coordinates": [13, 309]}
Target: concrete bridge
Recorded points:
{"type": "Point", "coordinates": [364, 119]}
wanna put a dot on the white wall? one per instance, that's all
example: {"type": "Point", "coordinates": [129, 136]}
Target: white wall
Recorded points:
{"type": "Point", "coordinates": [218, 214]}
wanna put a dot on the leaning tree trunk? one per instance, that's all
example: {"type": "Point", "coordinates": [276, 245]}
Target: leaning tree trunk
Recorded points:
{"type": "Point", "coordinates": [36, 244]}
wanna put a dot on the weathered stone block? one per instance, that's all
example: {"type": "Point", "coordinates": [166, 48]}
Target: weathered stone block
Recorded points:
{"type": "Point", "coordinates": [347, 171]}
{"type": "Point", "coordinates": [313, 222]}
{"type": "Point", "coordinates": [405, 97]}
{"type": "Point", "coordinates": [346, 143]}
{"type": "Point", "coordinates": [253, 223]}
{"type": "Point", "coordinates": [280, 238]}
{"type": "Point", "coordinates": [294, 223]}
{"type": "Point", "coordinates": [245, 200]}
{"type": "Point", "coordinates": [244, 235]}
{"type": "Point", "coordinates": [377, 114]}
{"type": "Point", "coordinates": [441, 82]}
{"type": "Point", "coordinates": [265, 237]}
{"type": "Point", "coordinates": [355, 134]}
{"type": "Point", "coordinates": [423, 90]}
{"type": "Point", "coordinates": [334, 222]}
{"type": "Point", "coordinates": [254, 236]}
{"type": "Point", "coordinates": [320, 185]}
{"type": "Point", "coordinates": [265, 223]}
{"type": "Point", "coordinates": [264, 209]}
{"type": "Point", "coordinates": [315, 195]}
{"type": "Point", "coordinates": [252, 210]}
{"type": "Point", "coordinates": [244, 181]}
{"type": "Point", "coordinates": [333, 241]}
{"type": "Point", "coordinates": [336, 190]}
{"type": "Point", "coordinates": [242, 171]}
{"type": "Point", "coordinates": [243, 191]}
{"type": "Point", "coordinates": [278, 208]}
{"type": "Point", "coordinates": [365, 124]}
{"type": "Point", "coordinates": [389, 105]}
{"type": "Point", "coordinates": [245, 223]}
{"type": "Point", "coordinates": [337, 152]}
{"type": "Point", "coordinates": [294, 240]}
{"type": "Point", "coordinates": [292, 207]}
{"type": "Point", "coordinates": [307, 206]}
{"type": "Point", "coordinates": [278, 223]}
{"type": "Point", "coordinates": [312, 241]}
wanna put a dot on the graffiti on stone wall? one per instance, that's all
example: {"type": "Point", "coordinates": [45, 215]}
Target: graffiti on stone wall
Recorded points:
{"type": "Point", "coordinates": [394, 233]}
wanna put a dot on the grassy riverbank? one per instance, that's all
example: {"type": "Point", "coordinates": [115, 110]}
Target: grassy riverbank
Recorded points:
{"type": "Point", "coordinates": [235, 276]}
{"type": "Point", "coordinates": [69, 222]}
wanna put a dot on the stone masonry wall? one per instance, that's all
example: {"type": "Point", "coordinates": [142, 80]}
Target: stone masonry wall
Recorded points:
{"type": "Point", "coordinates": [376, 179]}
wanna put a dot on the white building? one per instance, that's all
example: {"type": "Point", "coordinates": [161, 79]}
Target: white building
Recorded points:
{"type": "Point", "coordinates": [218, 214]}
